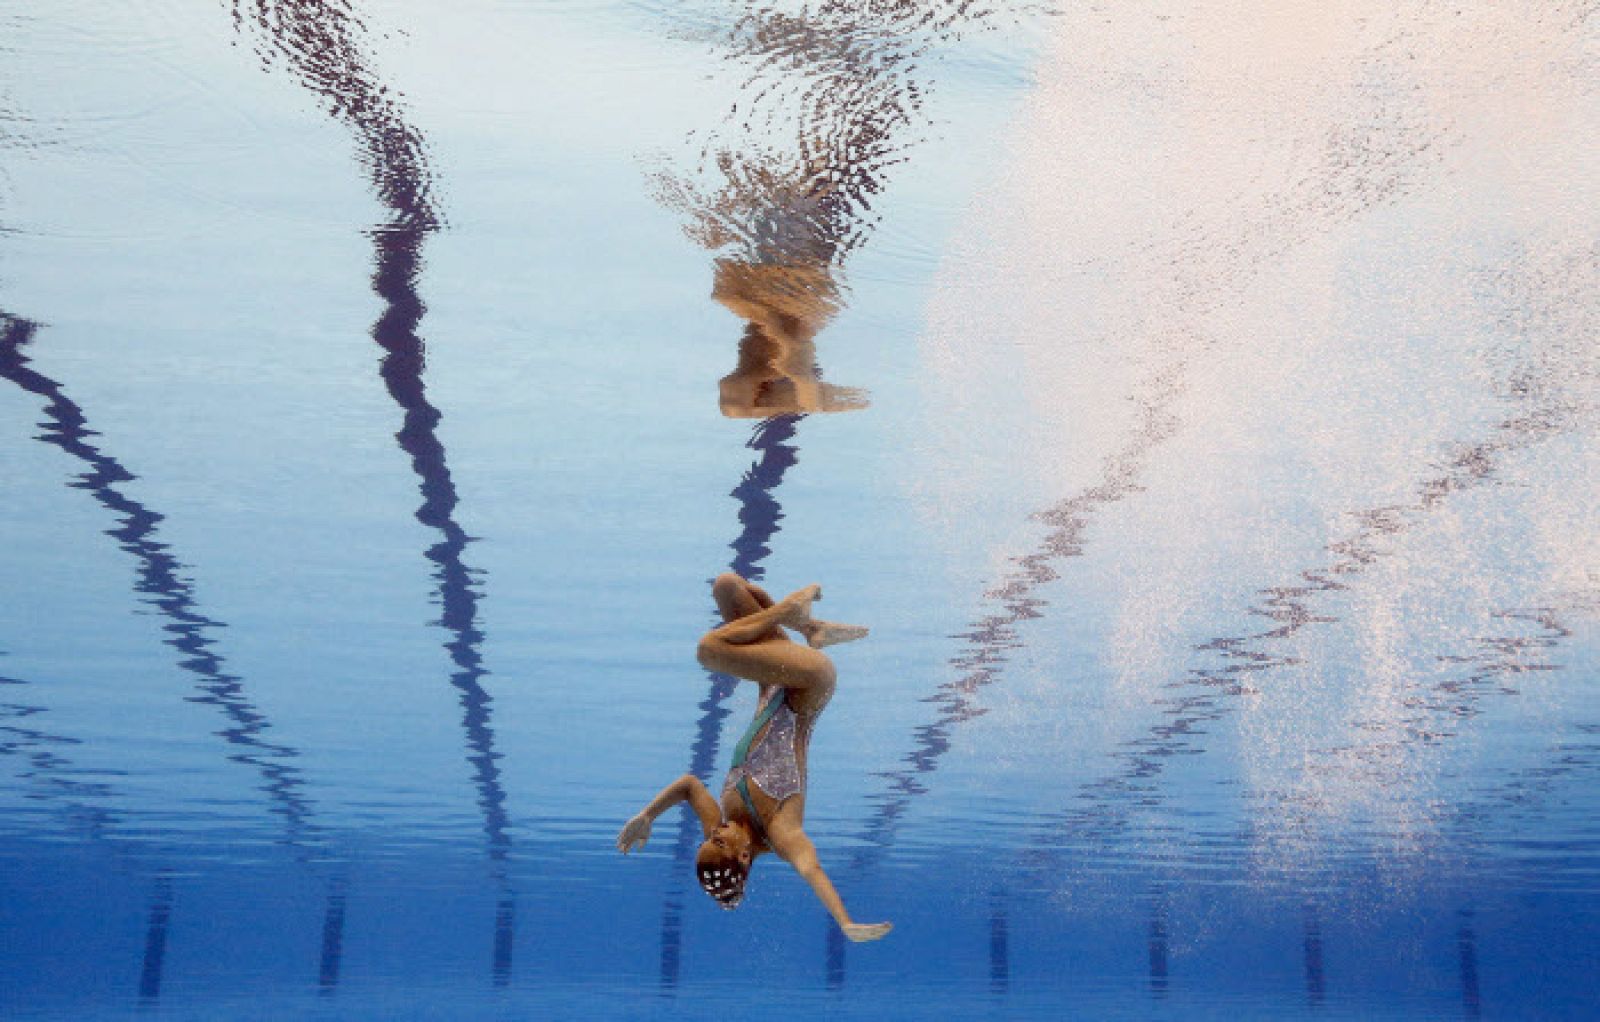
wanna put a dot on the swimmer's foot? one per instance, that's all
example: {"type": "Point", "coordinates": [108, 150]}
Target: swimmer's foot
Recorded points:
{"type": "Point", "coordinates": [830, 633]}
{"type": "Point", "coordinates": [863, 932]}
{"type": "Point", "coordinates": [798, 607]}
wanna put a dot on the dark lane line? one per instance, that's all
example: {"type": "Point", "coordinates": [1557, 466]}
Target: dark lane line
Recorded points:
{"type": "Point", "coordinates": [323, 45]}
{"type": "Point", "coordinates": [160, 582]}
{"type": "Point", "coordinates": [1467, 951]}
{"type": "Point", "coordinates": [331, 956]}
{"type": "Point", "coordinates": [158, 920]}
{"type": "Point", "coordinates": [1316, 976]}
{"type": "Point", "coordinates": [458, 586]}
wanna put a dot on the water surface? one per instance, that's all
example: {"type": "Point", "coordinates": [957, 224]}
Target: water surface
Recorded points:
{"type": "Point", "coordinates": [1199, 404]}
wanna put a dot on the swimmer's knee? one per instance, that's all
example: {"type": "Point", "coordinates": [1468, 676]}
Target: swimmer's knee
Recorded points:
{"type": "Point", "coordinates": [728, 583]}
{"type": "Point", "coordinates": [706, 650]}
{"type": "Point", "coordinates": [820, 673]}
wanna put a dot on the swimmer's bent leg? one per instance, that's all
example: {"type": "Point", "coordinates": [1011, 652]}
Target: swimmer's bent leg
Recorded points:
{"type": "Point", "coordinates": [737, 598]}
{"type": "Point", "coordinates": [767, 662]}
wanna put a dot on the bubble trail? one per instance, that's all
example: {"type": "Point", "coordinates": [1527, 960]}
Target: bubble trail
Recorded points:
{"type": "Point", "coordinates": [1550, 395]}
{"type": "Point", "coordinates": [1282, 221]}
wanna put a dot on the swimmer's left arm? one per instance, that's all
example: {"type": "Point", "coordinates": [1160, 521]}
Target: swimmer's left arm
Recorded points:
{"type": "Point", "coordinates": [797, 849]}
{"type": "Point", "coordinates": [688, 787]}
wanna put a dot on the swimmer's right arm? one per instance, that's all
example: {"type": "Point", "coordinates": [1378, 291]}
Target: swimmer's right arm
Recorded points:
{"type": "Point", "coordinates": [791, 843]}
{"type": "Point", "coordinates": [688, 787]}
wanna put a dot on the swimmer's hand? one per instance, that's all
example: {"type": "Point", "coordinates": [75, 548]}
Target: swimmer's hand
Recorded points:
{"type": "Point", "coordinates": [634, 834]}
{"type": "Point", "coordinates": [863, 932]}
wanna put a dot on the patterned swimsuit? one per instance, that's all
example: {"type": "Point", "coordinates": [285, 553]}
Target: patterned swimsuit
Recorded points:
{"type": "Point", "coordinates": [771, 759]}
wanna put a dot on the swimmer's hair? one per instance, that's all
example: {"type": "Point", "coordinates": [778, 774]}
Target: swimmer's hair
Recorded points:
{"type": "Point", "coordinates": [723, 879]}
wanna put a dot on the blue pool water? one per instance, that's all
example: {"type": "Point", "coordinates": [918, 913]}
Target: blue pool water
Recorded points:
{"type": "Point", "coordinates": [1202, 413]}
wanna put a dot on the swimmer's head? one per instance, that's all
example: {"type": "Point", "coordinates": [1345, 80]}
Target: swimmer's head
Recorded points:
{"type": "Point", "coordinates": [723, 863]}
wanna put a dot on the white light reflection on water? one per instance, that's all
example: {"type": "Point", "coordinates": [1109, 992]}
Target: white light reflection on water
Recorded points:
{"type": "Point", "coordinates": [1299, 311]}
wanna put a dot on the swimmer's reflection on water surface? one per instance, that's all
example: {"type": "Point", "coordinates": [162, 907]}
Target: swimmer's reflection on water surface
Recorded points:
{"type": "Point", "coordinates": [763, 799]}
{"type": "Point", "coordinates": [785, 307]}
{"type": "Point", "coordinates": [782, 280]}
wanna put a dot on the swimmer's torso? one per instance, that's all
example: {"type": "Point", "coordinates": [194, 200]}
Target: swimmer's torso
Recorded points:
{"type": "Point", "coordinates": [776, 762]}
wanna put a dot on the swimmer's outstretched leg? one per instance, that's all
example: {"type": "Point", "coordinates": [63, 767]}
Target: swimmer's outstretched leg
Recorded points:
{"type": "Point", "coordinates": [830, 633]}
{"type": "Point", "coordinates": [820, 633]}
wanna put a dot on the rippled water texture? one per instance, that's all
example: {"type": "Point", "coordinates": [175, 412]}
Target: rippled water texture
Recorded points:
{"type": "Point", "coordinates": [1199, 401]}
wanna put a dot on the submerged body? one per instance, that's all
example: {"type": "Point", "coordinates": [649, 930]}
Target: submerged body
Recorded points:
{"type": "Point", "coordinates": [762, 807]}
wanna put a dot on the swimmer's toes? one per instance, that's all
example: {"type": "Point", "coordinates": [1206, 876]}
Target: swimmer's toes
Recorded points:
{"type": "Point", "coordinates": [798, 605]}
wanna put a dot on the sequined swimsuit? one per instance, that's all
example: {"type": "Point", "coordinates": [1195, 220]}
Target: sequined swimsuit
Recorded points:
{"type": "Point", "coordinates": [772, 759]}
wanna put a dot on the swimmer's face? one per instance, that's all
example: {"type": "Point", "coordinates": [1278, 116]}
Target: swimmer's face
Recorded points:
{"type": "Point", "coordinates": [728, 842]}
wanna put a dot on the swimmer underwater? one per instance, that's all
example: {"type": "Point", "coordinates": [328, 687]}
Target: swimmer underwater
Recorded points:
{"type": "Point", "coordinates": [764, 797]}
